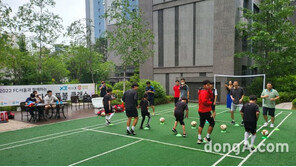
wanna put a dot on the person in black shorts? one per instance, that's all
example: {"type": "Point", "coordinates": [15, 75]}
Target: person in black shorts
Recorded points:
{"type": "Point", "coordinates": [144, 110]}
{"type": "Point", "coordinates": [180, 107]}
{"type": "Point", "coordinates": [250, 113]}
{"type": "Point", "coordinates": [150, 92]}
{"type": "Point", "coordinates": [107, 106]}
{"type": "Point", "coordinates": [130, 99]}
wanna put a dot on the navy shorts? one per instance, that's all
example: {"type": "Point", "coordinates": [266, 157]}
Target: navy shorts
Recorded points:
{"type": "Point", "coordinates": [250, 127]}
{"type": "Point", "coordinates": [270, 111]}
{"type": "Point", "coordinates": [151, 101]}
{"type": "Point", "coordinates": [131, 112]}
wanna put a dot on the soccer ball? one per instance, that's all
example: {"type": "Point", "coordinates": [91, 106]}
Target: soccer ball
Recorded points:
{"type": "Point", "coordinates": [223, 127]}
{"type": "Point", "coordinates": [193, 123]}
{"type": "Point", "coordinates": [264, 132]}
{"type": "Point", "coordinates": [162, 120]}
{"type": "Point", "coordinates": [103, 114]}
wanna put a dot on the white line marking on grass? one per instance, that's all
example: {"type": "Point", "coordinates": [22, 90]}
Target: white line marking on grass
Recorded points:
{"type": "Point", "coordinates": [72, 132]}
{"type": "Point", "coordinates": [251, 153]}
{"type": "Point", "coordinates": [118, 148]}
{"type": "Point", "coordinates": [159, 142]}
{"type": "Point", "coordinates": [55, 134]}
{"type": "Point", "coordinates": [224, 156]}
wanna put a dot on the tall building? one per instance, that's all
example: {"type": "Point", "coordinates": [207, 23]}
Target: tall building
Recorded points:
{"type": "Point", "coordinates": [94, 10]}
{"type": "Point", "coordinates": [195, 39]}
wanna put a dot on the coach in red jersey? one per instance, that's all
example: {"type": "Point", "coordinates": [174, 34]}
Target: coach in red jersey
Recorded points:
{"type": "Point", "coordinates": [204, 110]}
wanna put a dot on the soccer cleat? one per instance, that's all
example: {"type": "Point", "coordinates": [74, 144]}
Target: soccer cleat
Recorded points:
{"type": "Point", "coordinates": [141, 127]}
{"type": "Point", "coordinates": [128, 132]}
{"type": "Point", "coordinates": [184, 135]}
{"type": "Point", "coordinates": [232, 122]}
{"type": "Point", "coordinates": [108, 121]}
{"type": "Point", "coordinates": [207, 139]}
{"type": "Point", "coordinates": [265, 124]}
{"type": "Point", "coordinates": [133, 132]}
{"type": "Point", "coordinates": [253, 148]}
{"type": "Point", "coordinates": [272, 125]}
{"type": "Point", "coordinates": [148, 126]}
{"type": "Point", "coordinates": [174, 130]}
{"type": "Point", "coordinates": [242, 123]}
{"type": "Point", "coordinates": [199, 141]}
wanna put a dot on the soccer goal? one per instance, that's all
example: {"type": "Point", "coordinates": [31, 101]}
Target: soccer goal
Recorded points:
{"type": "Point", "coordinates": [246, 79]}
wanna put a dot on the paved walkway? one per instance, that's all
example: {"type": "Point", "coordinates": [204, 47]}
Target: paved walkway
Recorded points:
{"type": "Point", "coordinates": [14, 125]}
{"type": "Point", "coordinates": [287, 106]}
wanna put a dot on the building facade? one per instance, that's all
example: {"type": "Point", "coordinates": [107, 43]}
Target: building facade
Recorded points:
{"type": "Point", "coordinates": [195, 39]}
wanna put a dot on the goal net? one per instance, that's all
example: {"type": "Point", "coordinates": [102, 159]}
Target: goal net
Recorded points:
{"type": "Point", "coordinates": [252, 84]}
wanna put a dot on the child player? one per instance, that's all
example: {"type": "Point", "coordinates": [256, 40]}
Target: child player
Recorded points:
{"type": "Point", "coordinates": [144, 104]}
{"type": "Point", "coordinates": [180, 107]}
{"type": "Point", "coordinates": [107, 106]}
{"type": "Point", "coordinates": [250, 114]}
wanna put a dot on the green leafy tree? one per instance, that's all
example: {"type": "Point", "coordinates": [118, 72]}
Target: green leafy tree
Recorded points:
{"type": "Point", "coordinates": [101, 47]}
{"type": "Point", "coordinates": [271, 36]}
{"type": "Point", "coordinates": [131, 39]}
{"type": "Point", "coordinates": [36, 19]}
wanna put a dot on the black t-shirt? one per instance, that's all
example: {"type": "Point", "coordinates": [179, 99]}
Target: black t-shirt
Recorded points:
{"type": "Point", "coordinates": [106, 100]}
{"type": "Point", "coordinates": [237, 94]}
{"type": "Point", "coordinates": [144, 104]}
{"type": "Point", "coordinates": [250, 110]}
{"type": "Point", "coordinates": [150, 95]}
{"type": "Point", "coordinates": [130, 98]}
{"type": "Point", "coordinates": [181, 107]}
{"type": "Point", "coordinates": [103, 91]}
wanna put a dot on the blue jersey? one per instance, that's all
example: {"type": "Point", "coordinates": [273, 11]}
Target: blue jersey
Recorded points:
{"type": "Point", "coordinates": [150, 95]}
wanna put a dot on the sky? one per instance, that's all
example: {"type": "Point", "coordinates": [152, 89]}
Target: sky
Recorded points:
{"type": "Point", "coordinates": [68, 10]}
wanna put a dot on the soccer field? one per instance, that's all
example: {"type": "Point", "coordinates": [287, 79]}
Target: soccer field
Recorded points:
{"type": "Point", "coordinates": [88, 142]}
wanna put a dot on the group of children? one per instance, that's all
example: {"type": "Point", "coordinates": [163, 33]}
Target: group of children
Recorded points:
{"type": "Point", "coordinates": [207, 96]}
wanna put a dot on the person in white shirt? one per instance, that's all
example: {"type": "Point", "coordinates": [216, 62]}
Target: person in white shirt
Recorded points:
{"type": "Point", "coordinates": [49, 99]}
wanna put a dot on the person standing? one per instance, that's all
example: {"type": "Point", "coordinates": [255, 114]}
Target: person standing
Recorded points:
{"type": "Point", "coordinates": [250, 113]}
{"type": "Point", "coordinates": [150, 92]}
{"type": "Point", "coordinates": [228, 88]}
{"type": "Point", "coordinates": [130, 98]}
{"type": "Point", "coordinates": [269, 95]}
{"type": "Point", "coordinates": [177, 91]}
{"type": "Point", "coordinates": [144, 111]}
{"type": "Point", "coordinates": [184, 90]}
{"type": "Point", "coordinates": [180, 108]}
{"type": "Point", "coordinates": [204, 111]}
{"type": "Point", "coordinates": [107, 106]}
{"type": "Point", "coordinates": [103, 89]}
{"type": "Point", "coordinates": [237, 95]}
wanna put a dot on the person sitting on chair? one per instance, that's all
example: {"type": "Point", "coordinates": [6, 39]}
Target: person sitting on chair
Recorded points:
{"type": "Point", "coordinates": [49, 100]}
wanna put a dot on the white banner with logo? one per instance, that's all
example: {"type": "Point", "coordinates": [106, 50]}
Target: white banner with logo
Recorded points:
{"type": "Point", "coordinates": [14, 95]}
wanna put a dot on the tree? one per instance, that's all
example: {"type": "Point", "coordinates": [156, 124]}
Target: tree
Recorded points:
{"type": "Point", "coordinates": [271, 37]}
{"type": "Point", "coordinates": [131, 39]}
{"type": "Point", "coordinates": [36, 19]}
{"type": "Point", "coordinates": [101, 47]}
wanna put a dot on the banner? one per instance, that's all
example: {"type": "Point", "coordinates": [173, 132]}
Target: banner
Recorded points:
{"type": "Point", "coordinates": [14, 95]}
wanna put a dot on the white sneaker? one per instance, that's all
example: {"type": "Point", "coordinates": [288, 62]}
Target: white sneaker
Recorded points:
{"type": "Point", "coordinates": [272, 125]}
{"type": "Point", "coordinates": [265, 124]}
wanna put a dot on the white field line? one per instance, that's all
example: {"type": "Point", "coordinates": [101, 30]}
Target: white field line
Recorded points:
{"type": "Point", "coordinates": [98, 155]}
{"type": "Point", "coordinates": [222, 158]}
{"type": "Point", "coordinates": [250, 154]}
{"type": "Point", "coordinates": [73, 132]}
{"type": "Point", "coordinates": [159, 142]}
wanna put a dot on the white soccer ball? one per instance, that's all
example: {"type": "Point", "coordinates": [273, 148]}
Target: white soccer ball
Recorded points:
{"type": "Point", "coordinates": [223, 127]}
{"type": "Point", "coordinates": [264, 132]}
{"type": "Point", "coordinates": [162, 120]}
{"type": "Point", "coordinates": [193, 123]}
{"type": "Point", "coordinates": [103, 114]}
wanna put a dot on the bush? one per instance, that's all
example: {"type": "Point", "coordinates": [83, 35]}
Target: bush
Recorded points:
{"type": "Point", "coordinates": [8, 108]}
{"type": "Point", "coordinates": [119, 85]}
{"type": "Point", "coordinates": [285, 83]}
{"type": "Point", "coordinates": [118, 93]}
{"type": "Point", "coordinates": [287, 96]}
{"type": "Point", "coordinates": [294, 104]}
{"type": "Point", "coordinates": [116, 102]}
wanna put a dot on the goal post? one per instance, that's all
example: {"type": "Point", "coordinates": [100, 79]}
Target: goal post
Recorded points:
{"type": "Point", "coordinates": [241, 76]}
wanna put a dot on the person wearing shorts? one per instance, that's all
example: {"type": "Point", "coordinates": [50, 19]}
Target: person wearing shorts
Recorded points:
{"type": "Point", "coordinates": [204, 111]}
{"type": "Point", "coordinates": [237, 95]}
{"type": "Point", "coordinates": [269, 95]}
{"type": "Point", "coordinates": [177, 91]}
{"type": "Point", "coordinates": [150, 92]}
{"type": "Point", "coordinates": [180, 107]}
{"type": "Point", "coordinates": [107, 106]}
{"type": "Point", "coordinates": [144, 111]}
{"type": "Point", "coordinates": [250, 113]}
{"type": "Point", "coordinates": [130, 99]}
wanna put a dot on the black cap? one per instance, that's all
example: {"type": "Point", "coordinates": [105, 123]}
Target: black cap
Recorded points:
{"type": "Point", "coordinates": [205, 82]}
{"type": "Point", "coordinates": [253, 97]}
